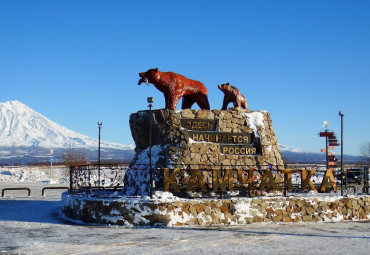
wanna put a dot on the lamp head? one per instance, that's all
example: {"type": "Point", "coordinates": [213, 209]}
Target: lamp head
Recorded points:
{"type": "Point", "coordinates": [326, 123]}
{"type": "Point", "coordinates": [150, 100]}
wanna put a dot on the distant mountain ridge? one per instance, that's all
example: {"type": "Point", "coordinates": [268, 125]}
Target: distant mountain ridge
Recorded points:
{"type": "Point", "coordinates": [294, 155]}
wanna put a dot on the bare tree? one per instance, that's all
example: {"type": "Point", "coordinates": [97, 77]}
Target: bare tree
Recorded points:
{"type": "Point", "coordinates": [74, 157]}
{"type": "Point", "coordinates": [365, 152]}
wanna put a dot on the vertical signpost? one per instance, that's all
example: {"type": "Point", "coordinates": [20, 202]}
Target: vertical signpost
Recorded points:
{"type": "Point", "coordinates": [330, 142]}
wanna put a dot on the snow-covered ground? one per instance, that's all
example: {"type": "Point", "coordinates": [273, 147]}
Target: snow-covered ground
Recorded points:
{"type": "Point", "coordinates": [53, 174]}
{"type": "Point", "coordinates": [33, 225]}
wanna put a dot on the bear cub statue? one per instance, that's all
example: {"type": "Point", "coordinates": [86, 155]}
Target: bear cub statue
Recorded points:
{"type": "Point", "coordinates": [232, 95]}
{"type": "Point", "coordinates": [175, 86]}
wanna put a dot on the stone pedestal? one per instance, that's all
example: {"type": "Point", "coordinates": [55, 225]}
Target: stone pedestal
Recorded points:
{"type": "Point", "coordinates": [195, 138]}
{"type": "Point", "coordinates": [212, 212]}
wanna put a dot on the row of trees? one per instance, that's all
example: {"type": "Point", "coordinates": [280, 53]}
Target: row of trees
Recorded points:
{"type": "Point", "coordinates": [365, 152]}
{"type": "Point", "coordinates": [73, 157]}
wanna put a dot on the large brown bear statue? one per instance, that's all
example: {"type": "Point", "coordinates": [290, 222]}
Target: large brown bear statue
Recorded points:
{"type": "Point", "coordinates": [232, 95]}
{"type": "Point", "coordinates": [174, 86]}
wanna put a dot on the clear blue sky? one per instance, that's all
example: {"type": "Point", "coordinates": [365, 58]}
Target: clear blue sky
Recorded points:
{"type": "Point", "coordinates": [77, 62]}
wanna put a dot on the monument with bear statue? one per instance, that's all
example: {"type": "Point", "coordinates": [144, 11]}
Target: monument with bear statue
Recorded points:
{"type": "Point", "coordinates": [185, 149]}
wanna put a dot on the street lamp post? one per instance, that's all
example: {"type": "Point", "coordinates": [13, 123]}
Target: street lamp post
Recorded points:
{"type": "Point", "coordinates": [150, 101]}
{"type": "Point", "coordinates": [341, 152]}
{"type": "Point", "coordinates": [100, 124]}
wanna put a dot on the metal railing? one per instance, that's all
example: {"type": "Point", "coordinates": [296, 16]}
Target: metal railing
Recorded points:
{"type": "Point", "coordinates": [212, 180]}
{"type": "Point", "coordinates": [18, 188]}
{"type": "Point", "coordinates": [93, 177]}
{"type": "Point", "coordinates": [53, 188]}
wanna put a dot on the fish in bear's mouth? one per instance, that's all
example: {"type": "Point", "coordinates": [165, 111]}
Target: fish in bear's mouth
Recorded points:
{"type": "Point", "coordinates": [143, 79]}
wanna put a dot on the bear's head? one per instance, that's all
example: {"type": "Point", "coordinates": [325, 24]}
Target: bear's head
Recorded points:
{"type": "Point", "coordinates": [224, 87]}
{"type": "Point", "coordinates": [148, 76]}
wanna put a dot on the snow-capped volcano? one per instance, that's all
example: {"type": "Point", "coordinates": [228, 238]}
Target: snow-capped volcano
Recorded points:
{"type": "Point", "coordinates": [20, 126]}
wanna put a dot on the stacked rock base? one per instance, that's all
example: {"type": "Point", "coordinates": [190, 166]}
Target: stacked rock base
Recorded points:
{"type": "Point", "coordinates": [208, 212]}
